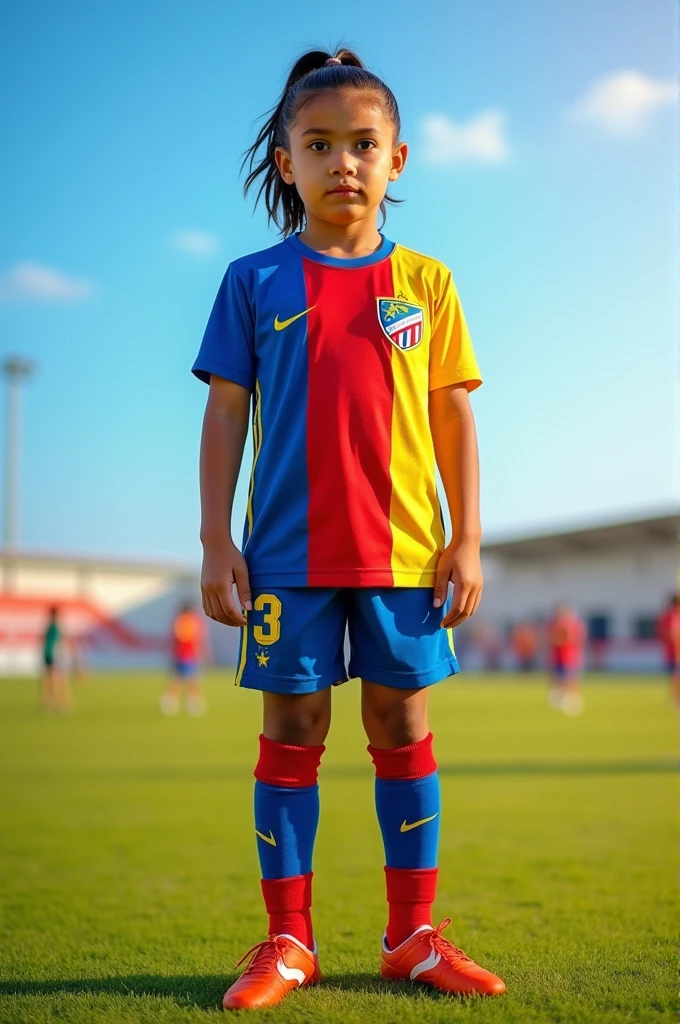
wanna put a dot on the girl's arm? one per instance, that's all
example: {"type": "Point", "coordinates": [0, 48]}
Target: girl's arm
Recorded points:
{"type": "Point", "coordinates": [455, 445]}
{"type": "Point", "coordinates": [225, 427]}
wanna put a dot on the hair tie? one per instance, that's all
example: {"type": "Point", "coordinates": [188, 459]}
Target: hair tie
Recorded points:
{"type": "Point", "coordinates": [332, 60]}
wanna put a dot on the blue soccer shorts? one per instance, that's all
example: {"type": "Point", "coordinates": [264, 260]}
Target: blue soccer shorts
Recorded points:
{"type": "Point", "coordinates": [185, 669]}
{"type": "Point", "coordinates": [565, 672]}
{"type": "Point", "coordinates": [294, 640]}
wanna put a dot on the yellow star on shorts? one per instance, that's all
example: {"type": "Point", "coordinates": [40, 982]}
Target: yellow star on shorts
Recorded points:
{"type": "Point", "coordinates": [262, 660]}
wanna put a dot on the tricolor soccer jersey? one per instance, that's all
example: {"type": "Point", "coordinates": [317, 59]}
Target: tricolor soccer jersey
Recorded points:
{"type": "Point", "coordinates": [341, 355]}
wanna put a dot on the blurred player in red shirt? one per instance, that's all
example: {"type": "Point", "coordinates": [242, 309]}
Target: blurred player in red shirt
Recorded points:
{"type": "Point", "coordinates": [668, 632]}
{"type": "Point", "coordinates": [188, 651]}
{"type": "Point", "coordinates": [566, 642]}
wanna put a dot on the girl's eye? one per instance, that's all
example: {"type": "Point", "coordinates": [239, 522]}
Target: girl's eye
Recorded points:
{"type": "Point", "coordinates": [318, 146]}
{"type": "Point", "coordinates": [366, 144]}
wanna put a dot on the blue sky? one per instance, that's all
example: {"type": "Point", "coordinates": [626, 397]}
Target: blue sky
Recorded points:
{"type": "Point", "coordinates": [543, 170]}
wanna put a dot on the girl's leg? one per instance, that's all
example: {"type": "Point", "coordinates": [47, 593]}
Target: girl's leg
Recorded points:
{"type": "Point", "coordinates": [393, 717]}
{"type": "Point", "coordinates": [287, 806]}
{"type": "Point", "coordinates": [407, 802]}
{"type": "Point", "coordinates": [298, 719]}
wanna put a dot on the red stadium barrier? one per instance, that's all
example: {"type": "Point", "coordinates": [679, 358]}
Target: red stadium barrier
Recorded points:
{"type": "Point", "coordinates": [23, 618]}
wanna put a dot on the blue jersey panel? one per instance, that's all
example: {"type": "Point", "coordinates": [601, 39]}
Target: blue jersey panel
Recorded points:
{"type": "Point", "coordinates": [227, 349]}
{"type": "Point", "coordinates": [256, 337]}
{"type": "Point", "coordinates": [280, 491]}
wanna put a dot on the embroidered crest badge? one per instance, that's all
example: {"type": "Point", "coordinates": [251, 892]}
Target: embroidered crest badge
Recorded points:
{"type": "Point", "coordinates": [401, 322]}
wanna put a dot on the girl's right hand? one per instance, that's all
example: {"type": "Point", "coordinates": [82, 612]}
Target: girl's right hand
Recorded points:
{"type": "Point", "coordinates": [224, 565]}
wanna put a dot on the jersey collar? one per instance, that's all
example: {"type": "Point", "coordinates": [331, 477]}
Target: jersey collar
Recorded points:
{"type": "Point", "coordinates": [384, 250]}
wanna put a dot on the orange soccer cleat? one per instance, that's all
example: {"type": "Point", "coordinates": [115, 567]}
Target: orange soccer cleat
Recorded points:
{"type": "Point", "coordinates": [427, 957]}
{"type": "Point", "coordinates": [277, 966]}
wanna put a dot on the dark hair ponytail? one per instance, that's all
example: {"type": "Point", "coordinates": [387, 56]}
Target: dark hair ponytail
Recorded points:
{"type": "Point", "coordinates": [310, 73]}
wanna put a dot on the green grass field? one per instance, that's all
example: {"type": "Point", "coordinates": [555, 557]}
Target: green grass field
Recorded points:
{"type": "Point", "coordinates": [131, 886]}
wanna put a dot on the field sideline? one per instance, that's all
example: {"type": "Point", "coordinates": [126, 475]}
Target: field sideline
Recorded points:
{"type": "Point", "coordinates": [131, 886]}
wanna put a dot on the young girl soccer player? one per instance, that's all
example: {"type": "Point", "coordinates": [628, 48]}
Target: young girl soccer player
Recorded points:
{"type": "Point", "coordinates": [357, 356]}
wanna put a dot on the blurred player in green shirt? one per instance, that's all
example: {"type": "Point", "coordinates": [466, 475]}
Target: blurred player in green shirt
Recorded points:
{"type": "Point", "coordinates": [55, 693]}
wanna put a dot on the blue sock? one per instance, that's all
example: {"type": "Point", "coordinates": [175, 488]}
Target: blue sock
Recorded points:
{"type": "Point", "coordinates": [408, 803]}
{"type": "Point", "coordinates": [286, 821]}
{"type": "Point", "coordinates": [408, 813]}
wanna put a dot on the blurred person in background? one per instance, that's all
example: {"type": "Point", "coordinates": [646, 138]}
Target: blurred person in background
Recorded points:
{"type": "Point", "coordinates": [55, 691]}
{"type": "Point", "coordinates": [524, 642]}
{"type": "Point", "coordinates": [489, 644]}
{"type": "Point", "coordinates": [188, 647]}
{"type": "Point", "coordinates": [566, 643]}
{"type": "Point", "coordinates": [668, 632]}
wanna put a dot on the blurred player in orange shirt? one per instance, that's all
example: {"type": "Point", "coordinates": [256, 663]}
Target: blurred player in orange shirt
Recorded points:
{"type": "Point", "coordinates": [525, 645]}
{"type": "Point", "coordinates": [566, 642]}
{"type": "Point", "coordinates": [668, 632]}
{"type": "Point", "coordinates": [188, 646]}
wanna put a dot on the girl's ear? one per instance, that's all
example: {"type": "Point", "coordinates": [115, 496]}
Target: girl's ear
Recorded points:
{"type": "Point", "coordinates": [284, 164]}
{"type": "Point", "coordinates": [398, 160]}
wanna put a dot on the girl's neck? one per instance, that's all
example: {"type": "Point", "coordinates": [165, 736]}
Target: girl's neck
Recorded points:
{"type": "Point", "coordinates": [344, 241]}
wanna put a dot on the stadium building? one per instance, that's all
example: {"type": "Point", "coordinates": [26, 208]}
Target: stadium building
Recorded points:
{"type": "Point", "coordinates": [617, 575]}
{"type": "Point", "coordinates": [117, 614]}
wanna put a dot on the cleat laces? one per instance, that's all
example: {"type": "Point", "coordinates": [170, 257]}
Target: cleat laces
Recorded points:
{"type": "Point", "coordinates": [263, 956]}
{"type": "Point", "coordinates": [451, 953]}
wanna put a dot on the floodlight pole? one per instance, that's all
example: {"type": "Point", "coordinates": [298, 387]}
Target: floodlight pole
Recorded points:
{"type": "Point", "coordinates": [16, 370]}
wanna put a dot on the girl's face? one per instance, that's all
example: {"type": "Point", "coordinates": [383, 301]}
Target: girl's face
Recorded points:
{"type": "Point", "coordinates": [342, 155]}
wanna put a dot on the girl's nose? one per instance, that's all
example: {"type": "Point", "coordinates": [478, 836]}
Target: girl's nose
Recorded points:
{"type": "Point", "coordinates": [344, 164]}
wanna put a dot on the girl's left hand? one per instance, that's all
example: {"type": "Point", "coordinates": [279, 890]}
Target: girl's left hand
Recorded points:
{"type": "Point", "coordinates": [462, 566]}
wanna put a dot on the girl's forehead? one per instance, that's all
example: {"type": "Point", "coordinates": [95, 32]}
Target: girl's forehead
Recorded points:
{"type": "Point", "coordinates": [341, 110]}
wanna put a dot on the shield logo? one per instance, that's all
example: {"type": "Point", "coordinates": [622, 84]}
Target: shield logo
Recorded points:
{"type": "Point", "coordinates": [401, 322]}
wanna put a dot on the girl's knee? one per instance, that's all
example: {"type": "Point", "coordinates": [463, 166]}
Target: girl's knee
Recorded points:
{"type": "Point", "coordinates": [300, 720]}
{"type": "Point", "coordinates": [392, 717]}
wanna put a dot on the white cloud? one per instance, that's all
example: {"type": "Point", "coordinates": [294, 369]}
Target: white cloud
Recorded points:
{"type": "Point", "coordinates": [479, 140]}
{"type": "Point", "coordinates": [34, 282]}
{"type": "Point", "coordinates": [622, 102]}
{"type": "Point", "coordinates": [196, 243]}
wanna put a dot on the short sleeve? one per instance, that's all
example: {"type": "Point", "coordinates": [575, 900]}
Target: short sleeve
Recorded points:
{"type": "Point", "coordinates": [452, 359]}
{"type": "Point", "coordinates": [228, 349]}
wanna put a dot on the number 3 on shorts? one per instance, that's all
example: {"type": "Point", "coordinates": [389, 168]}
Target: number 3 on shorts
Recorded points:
{"type": "Point", "coordinates": [271, 619]}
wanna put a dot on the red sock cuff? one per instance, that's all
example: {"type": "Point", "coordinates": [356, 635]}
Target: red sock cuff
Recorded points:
{"type": "Point", "coordinates": [282, 895]}
{"type": "Point", "coordinates": [411, 762]}
{"type": "Point", "coordinates": [411, 885]}
{"type": "Point", "coordinates": [281, 764]}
